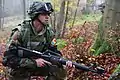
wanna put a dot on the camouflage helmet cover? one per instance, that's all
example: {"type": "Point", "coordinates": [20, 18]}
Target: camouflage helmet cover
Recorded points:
{"type": "Point", "coordinates": [39, 7]}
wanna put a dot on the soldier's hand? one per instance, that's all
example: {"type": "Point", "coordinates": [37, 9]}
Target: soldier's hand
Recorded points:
{"type": "Point", "coordinates": [41, 62]}
{"type": "Point", "coordinates": [69, 65]}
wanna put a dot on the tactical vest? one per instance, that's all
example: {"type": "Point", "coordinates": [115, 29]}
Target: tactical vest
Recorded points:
{"type": "Point", "coordinates": [30, 40]}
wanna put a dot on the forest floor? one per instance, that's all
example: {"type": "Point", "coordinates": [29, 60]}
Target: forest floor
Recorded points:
{"type": "Point", "coordinates": [79, 39]}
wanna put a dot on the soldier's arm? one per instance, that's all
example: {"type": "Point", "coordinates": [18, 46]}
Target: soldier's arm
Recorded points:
{"type": "Point", "coordinates": [11, 58]}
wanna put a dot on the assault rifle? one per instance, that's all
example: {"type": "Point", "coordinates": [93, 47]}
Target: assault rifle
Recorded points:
{"type": "Point", "coordinates": [54, 57]}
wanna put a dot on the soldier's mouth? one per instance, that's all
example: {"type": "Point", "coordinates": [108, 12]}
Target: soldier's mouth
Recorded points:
{"type": "Point", "coordinates": [46, 20]}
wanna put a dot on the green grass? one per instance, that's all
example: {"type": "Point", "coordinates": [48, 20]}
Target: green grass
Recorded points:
{"type": "Point", "coordinates": [61, 44]}
{"type": "Point", "coordinates": [86, 17]}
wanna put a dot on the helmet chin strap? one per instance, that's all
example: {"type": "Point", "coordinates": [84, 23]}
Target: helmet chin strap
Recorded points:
{"type": "Point", "coordinates": [41, 22]}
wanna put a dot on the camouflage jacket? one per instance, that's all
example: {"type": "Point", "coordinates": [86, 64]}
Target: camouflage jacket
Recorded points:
{"type": "Point", "coordinates": [25, 36]}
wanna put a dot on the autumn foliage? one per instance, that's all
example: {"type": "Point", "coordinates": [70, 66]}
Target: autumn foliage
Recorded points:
{"type": "Point", "coordinates": [79, 39]}
{"type": "Point", "coordinates": [2, 68]}
{"type": "Point", "coordinates": [79, 52]}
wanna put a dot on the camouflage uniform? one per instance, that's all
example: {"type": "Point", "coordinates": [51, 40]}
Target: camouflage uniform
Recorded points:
{"type": "Point", "coordinates": [24, 68]}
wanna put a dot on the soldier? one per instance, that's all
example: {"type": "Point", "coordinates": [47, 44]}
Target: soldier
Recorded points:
{"type": "Point", "coordinates": [34, 34]}
{"type": "Point", "coordinates": [101, 7]}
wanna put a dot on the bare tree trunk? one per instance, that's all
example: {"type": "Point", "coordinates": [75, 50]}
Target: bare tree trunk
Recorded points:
{"type": "Point", "coordinates": [3, 14]}
{"type": "Point", "coordinates": [66, 17]}
{"type": "Point", "coordinates": [54, 21]}
{"type": "Point", "coordinates": [0, 14]}
{"type": "Point", "coordinates": [60, 19]}
{"type": "Point", "coordinates": [112, 24]}
{"type": "Point", "coordinates": [109, 30]}
{"type": "Point", "coordinates": [24, 9]}
{"type": "Point", "coordinates": [75, 13]}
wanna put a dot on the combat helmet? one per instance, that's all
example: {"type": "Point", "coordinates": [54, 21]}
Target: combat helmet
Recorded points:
{"type": "Point", "coordinates": [101, 7]}
{"type": "Point", "coordinates": [39, 8]}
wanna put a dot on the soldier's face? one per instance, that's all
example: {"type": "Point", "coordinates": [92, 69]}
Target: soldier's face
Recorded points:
{"type": "Point", "coordinates": [44, 18]}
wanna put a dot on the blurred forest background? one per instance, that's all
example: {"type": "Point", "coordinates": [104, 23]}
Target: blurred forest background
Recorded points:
{"type": "Point", "coordinates": [75, 10]}
{"type": "Point", "coordinates": [84, 34]}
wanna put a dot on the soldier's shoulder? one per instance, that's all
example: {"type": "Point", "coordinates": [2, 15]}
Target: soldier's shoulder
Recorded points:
{"type": "Point", "coordinates": [26, 21]}
{"type": "Point", "coordinates": [22, 25]}
{"type": "Point", "coordinates": [18, 27]}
